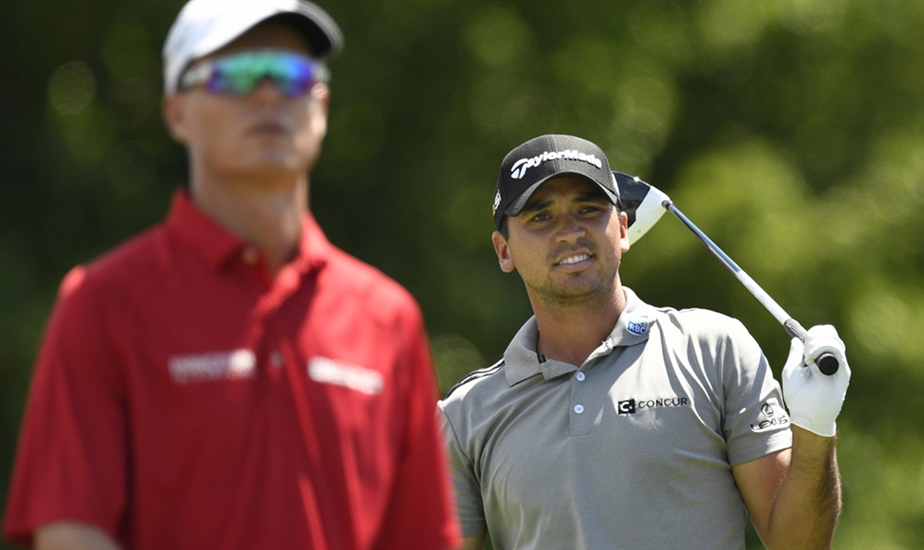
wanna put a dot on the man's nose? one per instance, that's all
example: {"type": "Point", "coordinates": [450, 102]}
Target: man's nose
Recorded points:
{"type": "Point", "coordinates": [267, 89]}
{"type": "Point", "coordinates": [570, 228]}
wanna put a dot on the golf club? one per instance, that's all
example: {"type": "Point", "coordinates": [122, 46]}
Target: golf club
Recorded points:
{"type": "Point", "coordinates": [644, 206]}
{"type": "Point", "coordinates": [640, 202]}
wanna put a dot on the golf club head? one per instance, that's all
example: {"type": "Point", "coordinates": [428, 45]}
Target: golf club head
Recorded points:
{"type": "Point", "coordinates": [642, 204]}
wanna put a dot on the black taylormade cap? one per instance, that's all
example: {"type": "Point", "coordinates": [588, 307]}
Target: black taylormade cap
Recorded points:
{"type": "Point", "coordinates": [542, 158]}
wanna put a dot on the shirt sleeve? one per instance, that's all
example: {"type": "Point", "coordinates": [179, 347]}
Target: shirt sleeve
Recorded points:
{"type": "Point", "coordinates": [421, 512]}
{"type": "Point", "coordinates": [71, 457]}
{"type": "Point", "coordinates": [756, 423]}
{"type": "Point", "coordinates": [468, 491]}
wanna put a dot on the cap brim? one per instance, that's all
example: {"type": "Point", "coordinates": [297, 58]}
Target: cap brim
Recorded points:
{"type": "Point", "coordinates": [517, 206]}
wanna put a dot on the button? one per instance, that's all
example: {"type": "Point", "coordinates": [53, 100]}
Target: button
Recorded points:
{"type": "Point", "coordinates": [249, 256]}
{"type": "Point", "coordinates": [580, 376]}
{"type": "Point", "coordinates": [579, 408]}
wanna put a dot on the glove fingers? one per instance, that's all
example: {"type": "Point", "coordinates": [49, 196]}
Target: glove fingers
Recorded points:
{"type": "Point", "coordinates": [823, 339]}
{"type": "Point", "coordinates": [795, 359]}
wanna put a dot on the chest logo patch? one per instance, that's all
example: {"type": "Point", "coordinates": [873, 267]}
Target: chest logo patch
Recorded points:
{"type": "Point", "coordinates": [631, 406]}
{"type": "Point", "coordinates": [638, 325]}
{"type": "Point", "coordinates": [217, 365]}
{"type": "Point", "coordinates": [354, 377]}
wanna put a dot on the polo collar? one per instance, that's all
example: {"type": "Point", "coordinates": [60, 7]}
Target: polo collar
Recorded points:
{"type": "Point", "coordinates": [217, 246]}
{"type": "Point", "coordinates": [522, 362]}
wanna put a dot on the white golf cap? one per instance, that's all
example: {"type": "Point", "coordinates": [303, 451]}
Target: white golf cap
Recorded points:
{"type": "Point", "coordinates": [204, 26]}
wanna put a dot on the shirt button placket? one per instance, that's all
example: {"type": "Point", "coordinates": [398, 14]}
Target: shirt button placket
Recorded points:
{"type": "Point", "coordinates": [581, 424]}
{"type": "Point", "coordinates": [579, 408]}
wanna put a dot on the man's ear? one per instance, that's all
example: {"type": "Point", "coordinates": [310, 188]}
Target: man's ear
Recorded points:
{"type": "Point", "coordinates": [624, 232]}
{"type": "Point", "coordinates": [173, 112]}
{"type": "Point", "coordinates": [320, 93]}
{"type": "Point", "coordinates": [320, 97]}
{"type": "Point", "coordinates": [502, 249]}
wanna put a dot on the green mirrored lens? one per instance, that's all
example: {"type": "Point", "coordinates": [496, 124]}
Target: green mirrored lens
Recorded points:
{"type": "Point", "coordinates": [240, 74]}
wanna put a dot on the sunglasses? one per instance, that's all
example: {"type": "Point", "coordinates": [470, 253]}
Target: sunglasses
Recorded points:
{"type": "Point", "coordinates": [239, 74]}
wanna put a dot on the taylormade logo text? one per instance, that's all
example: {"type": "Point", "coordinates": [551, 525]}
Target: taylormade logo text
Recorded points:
{"type": "Point", "coordinates": [521, 166]}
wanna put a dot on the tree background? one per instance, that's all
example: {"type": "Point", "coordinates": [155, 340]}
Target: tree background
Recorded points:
{"type": "Point", "coordinates": [790, 131]}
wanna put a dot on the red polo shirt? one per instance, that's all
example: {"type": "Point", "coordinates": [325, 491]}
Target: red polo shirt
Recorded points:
{"type": "Point", "coordinates": [185, 398]}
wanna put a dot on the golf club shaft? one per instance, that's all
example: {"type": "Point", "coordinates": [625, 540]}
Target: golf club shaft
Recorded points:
{"type": "Point", "coordinates": [826, 362]}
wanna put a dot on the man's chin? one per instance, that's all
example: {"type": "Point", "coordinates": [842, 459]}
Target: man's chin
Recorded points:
{"type": "Point", "coordinates": [576, 294]}
{"type": "Point", "coordinates": [273, 168]}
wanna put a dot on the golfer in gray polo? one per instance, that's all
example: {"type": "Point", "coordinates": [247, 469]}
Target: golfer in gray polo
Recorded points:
{"type": "Point", "coordinates": [610, 423]}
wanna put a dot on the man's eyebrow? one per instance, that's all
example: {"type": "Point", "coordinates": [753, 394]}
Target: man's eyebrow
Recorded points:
{"type": "Point", "coordinates": [535, 206]}
{"type": "Point", "coordinates": [590, 196]}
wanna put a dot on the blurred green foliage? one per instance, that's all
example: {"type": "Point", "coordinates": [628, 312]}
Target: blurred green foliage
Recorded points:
{"type": "Point", "coordinates": [790, 131]}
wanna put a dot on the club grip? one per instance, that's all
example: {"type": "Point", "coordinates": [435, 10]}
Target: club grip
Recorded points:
{"type": "Point", "coordinates": [827, 363]}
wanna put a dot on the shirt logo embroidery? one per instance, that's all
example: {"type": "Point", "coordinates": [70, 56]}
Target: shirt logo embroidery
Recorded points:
{"type": "Point", "coordinates": [218, 365]}
{"type": "Point", "coordinates": [631, 406]}
{"type": "Point", "coordinates": [638, 325]}
{"type": "Point", "coordinates": [771, 416]}
{"type": "Point", "coordinates": [354, 377]}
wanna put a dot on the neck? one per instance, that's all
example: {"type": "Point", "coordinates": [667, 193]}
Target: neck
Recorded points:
{"type": "Point", "coordinates": [571, 333]}
{"type": "Point", "coordinates": [267, 217]}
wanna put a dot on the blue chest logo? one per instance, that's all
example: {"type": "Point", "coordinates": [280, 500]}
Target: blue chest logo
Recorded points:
{"type": "Point", "coordinates": [638, 325]}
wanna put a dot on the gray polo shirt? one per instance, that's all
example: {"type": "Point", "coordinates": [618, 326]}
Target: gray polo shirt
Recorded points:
{"type": "Point", "coordinates": [633, 449]}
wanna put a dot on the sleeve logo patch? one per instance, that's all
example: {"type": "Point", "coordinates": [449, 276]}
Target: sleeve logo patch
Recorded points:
{"type": "Point", "coordinates": [354, 377]}
{"type": "Point", "coordinates": [771, 416]}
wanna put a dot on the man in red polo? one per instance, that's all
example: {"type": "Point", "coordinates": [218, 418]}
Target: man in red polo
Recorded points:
{"type": "Point", "coordinates": [230, 379]}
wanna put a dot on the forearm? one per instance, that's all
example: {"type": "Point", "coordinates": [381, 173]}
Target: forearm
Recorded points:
{"type": "Point", "coordinates": [808, 504]}
{"type": "Point", "coordinates": [72, 535]}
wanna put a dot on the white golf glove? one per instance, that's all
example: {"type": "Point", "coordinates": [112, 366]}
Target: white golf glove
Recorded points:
{"type": "Point", "coordinates": [814, 399]}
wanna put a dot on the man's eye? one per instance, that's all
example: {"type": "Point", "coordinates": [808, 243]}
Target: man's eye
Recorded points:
{"type": "Point", "coordinates": [541, 217]}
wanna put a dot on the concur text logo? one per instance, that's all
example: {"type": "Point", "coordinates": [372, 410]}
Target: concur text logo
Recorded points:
{"type": "Point", "coordinates": [631, 406]}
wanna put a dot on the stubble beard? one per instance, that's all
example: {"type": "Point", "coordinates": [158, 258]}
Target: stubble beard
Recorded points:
{"type": "Point", "coordinates": [567, 297]}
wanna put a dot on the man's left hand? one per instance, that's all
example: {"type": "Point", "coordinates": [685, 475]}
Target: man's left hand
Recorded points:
{"type": "Point", "coordinates": [814, 399]}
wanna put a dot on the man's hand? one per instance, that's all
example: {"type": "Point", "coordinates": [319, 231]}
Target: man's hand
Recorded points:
{"type": "Point", "coordinates": [814, 399]}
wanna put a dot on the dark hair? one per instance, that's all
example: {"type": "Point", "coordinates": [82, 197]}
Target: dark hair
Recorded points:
{"type": "Point", "coordinates": [504, 228]}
